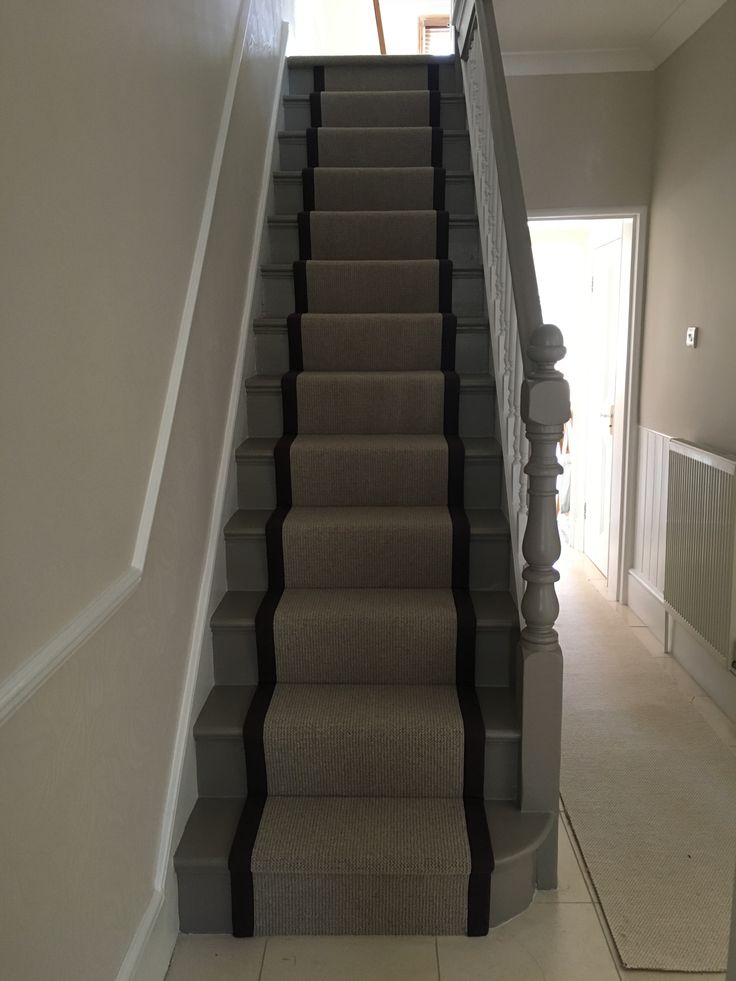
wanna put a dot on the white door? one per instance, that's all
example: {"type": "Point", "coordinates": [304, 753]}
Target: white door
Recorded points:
{"type": "Point", "coordinates": [601, 351]}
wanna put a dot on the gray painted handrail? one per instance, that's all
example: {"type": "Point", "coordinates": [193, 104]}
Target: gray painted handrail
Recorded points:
{"type": "Point", "coordinates": [533, 399]}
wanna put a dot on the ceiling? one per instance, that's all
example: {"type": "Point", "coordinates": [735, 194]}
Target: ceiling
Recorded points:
{"type": "Point", "coordinates": [636, 33]}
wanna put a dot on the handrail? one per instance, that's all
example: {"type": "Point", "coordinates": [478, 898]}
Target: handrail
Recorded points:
{"type": "Point", "coordinates": [533, 397]}
{"type": "Point", "coordinates": [379, 26]}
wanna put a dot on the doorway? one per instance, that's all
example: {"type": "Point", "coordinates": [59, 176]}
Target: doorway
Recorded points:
{"type": "Point", "coordinates": [586, 271]}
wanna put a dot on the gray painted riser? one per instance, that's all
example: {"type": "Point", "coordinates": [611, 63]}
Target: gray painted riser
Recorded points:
{"type": "Point", "coordinates": [204, 886]}
{"type": "Point", "coordinates": [459, 193]}
{"type": "Point", "coordinates": [236, 657]}
{"type": "Point", "coordinates": [247, 568]}
{"type": "Point", "coordinates": [297, 114]}
{"type": "Point", "coordinates": [277, 293]}
{"type": "Point", "coordinates": [272, 348]}
{"type": "Point", "coordinates": [293, 150]}
{"type": "Point", "coordinates": [265, 415]}
{"type": "Point", "coordinates": [464, 244]}
{"type": "Point", "coordinates": [257, 483]}
{"type": "Point", "coordinates": [301, 79]}
{"type": "Point", "coordinates": [221, 769]}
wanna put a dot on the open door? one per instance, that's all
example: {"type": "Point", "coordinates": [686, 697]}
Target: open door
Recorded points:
{"type": "Point", "coordinates": [601, 351]}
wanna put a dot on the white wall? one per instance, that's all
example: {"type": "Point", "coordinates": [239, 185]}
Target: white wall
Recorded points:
{"type": "Point", "coordinates": [584, 141]}
{"type": "Point", "coordinates": [109, 179]}
{"type": "Point", "coordinates": [692, 241]}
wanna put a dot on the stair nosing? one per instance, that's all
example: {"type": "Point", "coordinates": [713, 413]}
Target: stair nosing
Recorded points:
{"type": "Point", "coordinates": [300, 136]}
{"type": "Point", "coordinates": [302, 98]}
{"type": "Point", "coordinates": [237, 701]}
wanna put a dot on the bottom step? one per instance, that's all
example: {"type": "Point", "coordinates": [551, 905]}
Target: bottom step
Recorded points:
{"type": "Point", "coordinates": [359, 886]}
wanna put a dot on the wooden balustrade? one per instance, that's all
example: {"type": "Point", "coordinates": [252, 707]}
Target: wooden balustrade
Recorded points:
{"type": "Point", "coordinates": [533, 399]}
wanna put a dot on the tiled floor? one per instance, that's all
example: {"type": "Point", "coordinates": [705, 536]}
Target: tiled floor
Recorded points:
{"type": "Point", "coordinates": [561, 937]}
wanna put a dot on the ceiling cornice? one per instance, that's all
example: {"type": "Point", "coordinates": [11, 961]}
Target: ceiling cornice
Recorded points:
{"type": "Point", "coordinates": [684, 22]}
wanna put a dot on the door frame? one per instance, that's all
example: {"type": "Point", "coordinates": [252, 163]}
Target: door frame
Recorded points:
{"type": "Point", "coordinates": [625, 450]}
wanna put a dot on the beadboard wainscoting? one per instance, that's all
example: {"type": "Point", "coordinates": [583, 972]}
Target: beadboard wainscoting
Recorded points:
{"type": "Point", "coordinates": [646, 577]}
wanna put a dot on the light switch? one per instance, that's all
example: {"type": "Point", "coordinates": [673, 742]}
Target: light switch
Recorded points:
{"type": "Point", "coordinates": [691, 337]}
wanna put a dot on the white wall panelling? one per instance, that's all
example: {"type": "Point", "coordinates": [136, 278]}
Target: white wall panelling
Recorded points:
{"type": "Point", "coordinates": [651, 508]}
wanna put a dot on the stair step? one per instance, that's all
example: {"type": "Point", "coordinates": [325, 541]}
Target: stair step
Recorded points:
{"type": "Point", "coordinates": [201, 862]}
{"type": "Point", "coordinates": [384, 72]}
{"type": "Point", "coordinates": [278, 299]}
{"type": "Point", "coordinates": [257, 480]}
{"type": "Point", "coordinates": [298, 116]}
{"type": "Point", "coordinates": [265, 411]}
{"type": "Point", "coordinates": [289, 192]}
{"type": "Point", "coordinates": [221, 769]}
{"type": "Point", "coordinates": [272, 345]}
{"type": "Point", "coordinates": [464, 243]}
{"type": "Point", "coordinates": [236, 658]}
{"type": "Point", "coordinates": [245, 548]}
{"type": "Point", "coordinates": [455, 150]}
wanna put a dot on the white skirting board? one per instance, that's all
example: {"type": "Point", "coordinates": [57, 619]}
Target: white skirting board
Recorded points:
{"type": "Point", "coordinates": [700, 663]}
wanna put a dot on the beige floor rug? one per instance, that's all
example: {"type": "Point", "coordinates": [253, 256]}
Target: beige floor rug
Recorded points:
{"type": "Point", "coordinates": [650, 788]}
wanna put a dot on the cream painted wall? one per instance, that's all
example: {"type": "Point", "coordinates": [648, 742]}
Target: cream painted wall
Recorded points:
{"type": "Point", "coordinates": [692, 242]}
{"type": "Point", "coordinates": [85, 763]}
{"type": "Point", "coordinates": [109, 116]}
{"type": "Point", "coordinates": [584, 141]}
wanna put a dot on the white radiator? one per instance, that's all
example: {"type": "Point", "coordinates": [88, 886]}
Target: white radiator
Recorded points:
{"type": "Point", "coordinates": [700, 566]}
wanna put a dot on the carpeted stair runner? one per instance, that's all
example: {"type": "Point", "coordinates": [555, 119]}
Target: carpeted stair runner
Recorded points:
{"type": "Point", "coordinates": [364, 741]}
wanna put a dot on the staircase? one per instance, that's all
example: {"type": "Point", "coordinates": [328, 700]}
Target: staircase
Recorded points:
{"type": "Point", "coordinates": [359, 760]}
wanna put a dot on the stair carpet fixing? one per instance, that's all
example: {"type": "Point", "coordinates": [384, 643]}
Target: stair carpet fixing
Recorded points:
{"type": "Point", "coordinates": [342, 786]}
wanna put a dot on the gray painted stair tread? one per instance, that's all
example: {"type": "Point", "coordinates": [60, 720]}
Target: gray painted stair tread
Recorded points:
{"type": "Point", "coordinates": [296, 175]}
{"type": "Point", "coordinates": [237, 609]}
{"type": "Point", "coordinates": [494, 608]}
{"type": "Point", "coordinates": [299, 135]}
{"type": "Point", "coordinates": [223, 713]}
{"type": "Point", "coordinates": [303, 99]}
{"type": "Point", "coordinates": [515, 833]}
{"type": "Point", "coordinates": [266, 383]}
{"type": "Point", "coordinates": [251, 523]}
{"type": "Point", "coordinates": [208, 835]}
{"type": "Point", "coordinates": [287, 269]}
{"type": "Point", "coordinates": [306, 61]}
{"type": "Point", "coordinates": [261, 448]}
{"type": "Point", "coordinates": [463, 323]}
{"type": "Point", "coordinates": [498, 706]}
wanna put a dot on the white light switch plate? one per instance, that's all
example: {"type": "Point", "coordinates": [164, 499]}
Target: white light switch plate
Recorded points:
{"type": "Point", "coordinates": [691, 337]}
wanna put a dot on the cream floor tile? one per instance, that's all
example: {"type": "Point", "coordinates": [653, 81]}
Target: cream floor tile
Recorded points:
{"type": "Point", "coordinates": [571, 887]}
{"type": "Point", "coordinates": [350, 959]}
{"type": "Point", "coordinates": [549, 942]}
{"type": "Point", "coordinates": [648, 641]}
{"type": "Point", "coordinates": [216, 958]}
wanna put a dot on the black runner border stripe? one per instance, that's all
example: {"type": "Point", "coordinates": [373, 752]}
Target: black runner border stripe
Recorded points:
{"type": "Point", "coordinates": [443, 235]}
{"type": "Point", "coordinates": [460, 548]}
{"type": "Point", "coordinates": [312, 147]}
{"type": "Point", "coordinates": [296, 351]}
{"type": "Point", "coordinates": [465, 645]}
{"type": "Point", "coordinates": [438, 188]}
{"type": "Point", "coordinates": [304, 226]}
{"type": "Point", "coordinates": [315, 109]}
{"type": "Point", "coordinates": [448, 342]}
{"type": "Point", "coordinates": [301, 293]}
{"type": "Point", "coordinates": [433, 76]}
{"type": "Point", "coordinates": [455, 471]}
{"type": "Point", "coordinates": [481, 868]}
{"type": "Point", "coordinates": [437, 139]}
{"type": "Point", "coordinates": [308, 188]}
{"type": "Point", "coordinates": [318, 72]}
{"type": "Point", "coordinates": [445, 286]}
{"type": "Point", "coordinates": [239, 864]}
{"type": "Point", "coordinates": [434, 108]}
{"type": "Point", "coordinates": [451, 408]}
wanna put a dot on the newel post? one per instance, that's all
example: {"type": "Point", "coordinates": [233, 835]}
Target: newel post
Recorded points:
{"type": "Point", "coordinates": [545, 407]}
